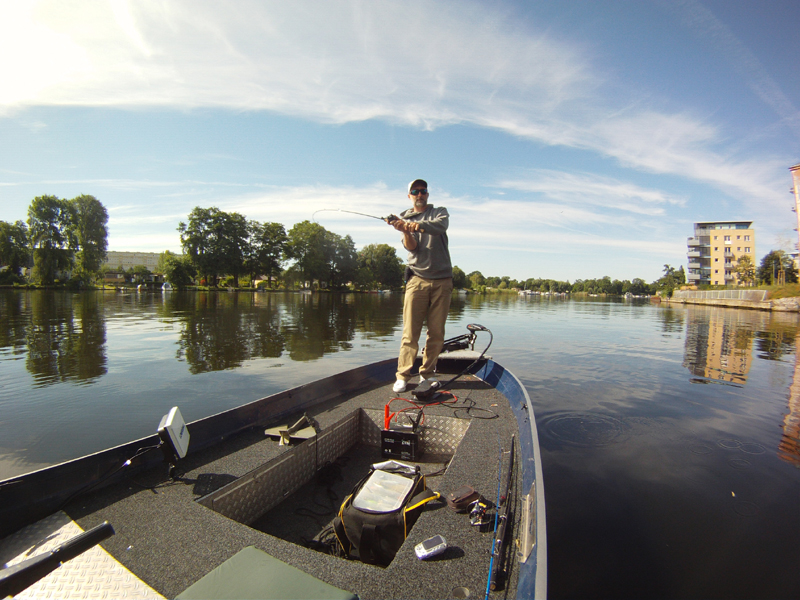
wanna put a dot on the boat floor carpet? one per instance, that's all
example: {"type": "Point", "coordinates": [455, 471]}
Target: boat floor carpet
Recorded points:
{"type": "Point", "coordinates": [170, 541]}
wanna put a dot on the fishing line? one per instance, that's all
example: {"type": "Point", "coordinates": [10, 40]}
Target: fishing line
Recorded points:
{"type": "Point", "coordinates": [352, 212]}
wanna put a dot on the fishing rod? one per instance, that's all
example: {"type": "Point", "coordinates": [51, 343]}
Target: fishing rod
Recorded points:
{"type": "Point", "coordinates": [496, 513]}
{"type": "Point", "coordinates": [390, 219]}
{"type": "Point", "coordinates": [20, 576]}
{"type": "Point", "coordinates": [497, 569]}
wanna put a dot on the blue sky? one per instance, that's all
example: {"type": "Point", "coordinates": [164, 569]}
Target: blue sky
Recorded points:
{"type": "Point", "coordinates": [568, 140]}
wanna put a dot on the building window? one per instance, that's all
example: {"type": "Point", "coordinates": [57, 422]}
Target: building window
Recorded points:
{"type": "Point", "coordinates": [738, 237]}
{"type": "Point", "coordinates": [727, 238]}
{"type": "Point", "coordinates": [747, 249]}
{"type": "Point", "coordinates": [747, 238]}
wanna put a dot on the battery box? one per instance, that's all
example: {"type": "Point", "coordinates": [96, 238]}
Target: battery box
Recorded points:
{"type": "Point", "coordinates": [399, 443]}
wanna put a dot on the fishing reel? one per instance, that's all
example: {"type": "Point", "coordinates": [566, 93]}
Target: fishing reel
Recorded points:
{"type": "Point", "coordinates": [479, 514]}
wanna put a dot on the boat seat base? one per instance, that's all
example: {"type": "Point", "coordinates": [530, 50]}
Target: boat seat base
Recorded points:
{"type": "Point", "coordinates": [253, 574]}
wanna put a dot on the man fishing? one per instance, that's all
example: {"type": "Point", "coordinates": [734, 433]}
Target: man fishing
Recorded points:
{"type": "Point", "coordinates": [429, 286]}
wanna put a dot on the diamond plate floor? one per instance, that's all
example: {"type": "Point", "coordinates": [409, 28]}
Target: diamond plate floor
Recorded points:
{"type": "Point", "coordinates": [93, 574]}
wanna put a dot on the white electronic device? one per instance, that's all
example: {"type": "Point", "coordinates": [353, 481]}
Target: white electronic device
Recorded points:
{"type": "Point", "coordinates": [173, 432]}
{"type": "Point", "coordinates": [430, 547]}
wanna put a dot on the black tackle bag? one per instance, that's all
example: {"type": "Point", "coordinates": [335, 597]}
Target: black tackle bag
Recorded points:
{"type": "Point", "coordinates": [376, 517]}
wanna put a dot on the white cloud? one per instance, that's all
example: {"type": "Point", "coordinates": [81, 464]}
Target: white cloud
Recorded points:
{"type": "Point", "coordinates": [590, 189]}
{"type": "Point", "coordinates": [415, 63]}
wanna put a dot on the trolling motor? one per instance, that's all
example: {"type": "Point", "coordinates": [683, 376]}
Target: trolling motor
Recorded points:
{"type": "Point", "coordinates": [428, 389]}
{"type": "Point", "coordinates": [464, 341]}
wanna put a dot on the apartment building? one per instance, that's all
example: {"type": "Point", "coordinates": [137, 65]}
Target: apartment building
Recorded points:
{"type": "Point", "coordinates": [715, 249]}
{"type": "Point", "coordinates": [128, 260]}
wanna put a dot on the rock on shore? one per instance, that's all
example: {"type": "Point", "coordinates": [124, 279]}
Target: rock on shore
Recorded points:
{"type": "Point", "coordinates": [786, 304]}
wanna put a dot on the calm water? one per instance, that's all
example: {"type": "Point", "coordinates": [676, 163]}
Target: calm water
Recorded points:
{"type": "Point", "coordinates": [669, 436]}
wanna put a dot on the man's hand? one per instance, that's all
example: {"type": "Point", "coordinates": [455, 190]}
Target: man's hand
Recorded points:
{"type": "Point", "coordinates": [404, 226]}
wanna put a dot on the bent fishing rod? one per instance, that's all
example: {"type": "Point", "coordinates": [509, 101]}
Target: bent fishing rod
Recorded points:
{"type": "Point", "coordinates": [390, 219]}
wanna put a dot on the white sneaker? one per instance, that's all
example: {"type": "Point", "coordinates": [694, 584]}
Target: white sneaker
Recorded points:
{"type": "Point", "coordinates": [399, 386]}
{"type": "Point", "coordinates": [432, 379]}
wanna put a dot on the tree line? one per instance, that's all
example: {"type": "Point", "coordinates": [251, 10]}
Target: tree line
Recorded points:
{"type": "Point", "coordinates": [220, 244]}
{"type": "Point", "coordinates": [60, 236]}
{"type": "Point", "coordinates": [66, 240]}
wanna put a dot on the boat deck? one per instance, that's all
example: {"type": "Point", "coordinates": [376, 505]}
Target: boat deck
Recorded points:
{"type": "Point", "coordinates": [169, 539]}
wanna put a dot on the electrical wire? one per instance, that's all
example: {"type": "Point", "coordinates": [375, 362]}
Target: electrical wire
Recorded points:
{"type": "Point", "coordinates": [111, 472]}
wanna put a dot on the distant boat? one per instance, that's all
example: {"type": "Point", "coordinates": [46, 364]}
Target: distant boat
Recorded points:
{"type": "Point", "coordinates": [167, 287]}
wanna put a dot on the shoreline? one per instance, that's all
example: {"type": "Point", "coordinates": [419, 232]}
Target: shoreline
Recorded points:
{"type": "Point", "coordinates": [778, 305]}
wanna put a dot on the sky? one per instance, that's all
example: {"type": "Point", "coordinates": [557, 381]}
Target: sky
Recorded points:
{"type": "Point", "coordinates": [567, 139]}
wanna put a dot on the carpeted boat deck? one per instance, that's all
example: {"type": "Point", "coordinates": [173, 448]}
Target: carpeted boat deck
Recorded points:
{"type": "Point", "coordinates": [170, 540]}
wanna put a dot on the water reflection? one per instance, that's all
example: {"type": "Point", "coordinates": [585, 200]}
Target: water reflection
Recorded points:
{"type": "Point", "coordinates": [222, 331]}
{"type": "Point", "coordinates": [63, 336]}
{"type": "Point", "coordinates": [789, 446]}
{"type": "Point", "coordinates": [718, 345]}
{"type": "Point", "coordinates": [719, 348]}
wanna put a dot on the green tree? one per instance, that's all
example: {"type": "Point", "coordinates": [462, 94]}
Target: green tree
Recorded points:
{"type": "Point", "coordinates": [306, 246]}
{"type": "Point", "coordinates": [459, 278]}
{"type": "Point", "coordinates": [51, 237]}
{"type": "Point", "coordinates": [671, 280]}
{"type": "Point", "coordinates": [342, 259]}
{"type": "Point", "coordinates": [771, 265]}
{"type": "Point", "coordinates": [89, 230]}
{"type": "Point", "coordinates": [638, 287]}
{"type": "Point", "coordinates": [476, 279]}
{"type": "Point", "coordinates": [178, 270]}
{"type": "Point", "coordinates": [379, 267]}
{"type": "Point", "coordinates": [163, 259]}
{"type": "Point", "coordinates": [745, 270]}
{"type": "Point", "coordinates": [217, 242]}
{"type": "Point", "coordinates": [267, 249]}
{"type": "Point", "coordinates": [14, 252]}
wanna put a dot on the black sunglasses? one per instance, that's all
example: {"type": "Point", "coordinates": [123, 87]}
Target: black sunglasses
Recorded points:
{"type": "Point", "coordinates": [418, 192]}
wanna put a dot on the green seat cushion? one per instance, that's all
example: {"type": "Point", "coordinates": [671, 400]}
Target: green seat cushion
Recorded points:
{"type": "Point", "coordinates": [253, 574]}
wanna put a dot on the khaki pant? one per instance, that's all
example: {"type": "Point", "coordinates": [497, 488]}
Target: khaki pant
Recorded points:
{"type": "Point", "coordinates": [426, 299]}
